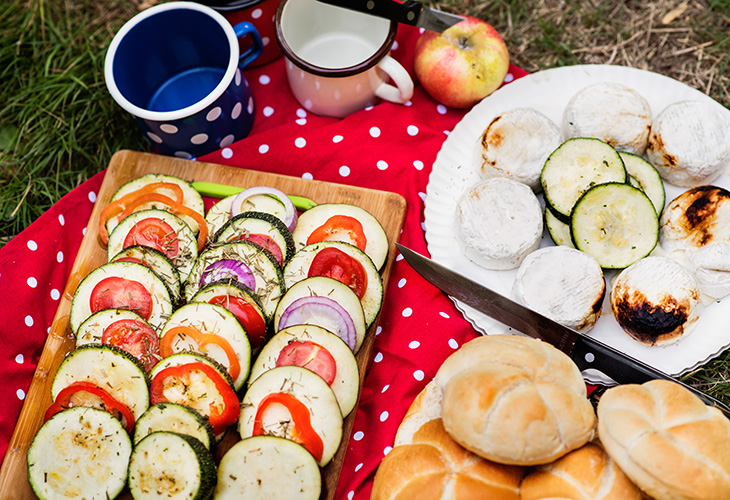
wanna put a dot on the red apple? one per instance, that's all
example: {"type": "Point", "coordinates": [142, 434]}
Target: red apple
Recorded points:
{"type": "Point", "coordinates": [462, 65]}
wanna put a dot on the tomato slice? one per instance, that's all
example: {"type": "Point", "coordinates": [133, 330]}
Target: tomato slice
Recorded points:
{"type": "Point", "coordinates": [311, 356]}
{"type": "Point", "coordinates": [334, 263]}
{"type": "Point", "coordinates": [340, 228]}
{"type": "Point", "coordinates": [137, 338]}
{"type": "Point", "coordinates": [174, 207]}
{"type": "Point", "coordinates": [167, 345]}
{"type": "Point", "coordinates": [184, 383]}
{"type": "Point", "coordinates": [117, 208]}
{"type": "Point", "coordinates": [266, 242]}
{"type": "Point", "coordinates": [84, 393]}
{"type": "Point", "coordinates": [155, 233]}
{"type": "Point", "coordinates": [301, 429]}
{"type": "Point", "coordinates": [116, 292]}
{"type": "Point", "coordinates": [247, 315]}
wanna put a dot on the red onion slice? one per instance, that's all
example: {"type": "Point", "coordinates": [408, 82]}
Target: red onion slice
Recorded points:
{"type": "Point", "coordinates": [321, 311]}
{"type": "Point", "coordinates": [225, 269]}
{"type": "Point", "coordinates": [290, 216]}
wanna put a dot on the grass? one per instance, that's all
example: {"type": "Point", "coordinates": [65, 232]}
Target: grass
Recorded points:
{"type": "Point", "coordinates": [59, 126]}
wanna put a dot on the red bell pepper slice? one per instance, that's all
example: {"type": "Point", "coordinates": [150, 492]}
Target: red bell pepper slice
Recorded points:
{"type": "Point", "coordinates": [222, 412]}
{"type": "Point", "coordinates": [340, 228]}
{"type": "Point", "coordinates": [167, 343]}
{"type": "Point", "coordinates": [301, 429]}
{"type": "Point", "coordinates": [72, 395]}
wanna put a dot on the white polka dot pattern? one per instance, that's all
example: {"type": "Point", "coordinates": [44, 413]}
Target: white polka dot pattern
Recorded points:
{"type": "Point", "coordinates": [387, 146]}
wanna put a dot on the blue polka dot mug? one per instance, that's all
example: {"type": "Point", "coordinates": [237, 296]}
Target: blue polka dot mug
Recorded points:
{"type": "Point", "coordinates": [177, 69]}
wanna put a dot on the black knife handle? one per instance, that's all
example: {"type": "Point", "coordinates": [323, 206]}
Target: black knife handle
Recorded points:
{"type": "Point", "coordinates": [590, 353]}
{"type": "Point", "coordinates": [406, 13]}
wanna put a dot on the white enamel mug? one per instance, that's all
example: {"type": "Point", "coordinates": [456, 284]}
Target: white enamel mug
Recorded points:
{"type": "Point", "coordinates": [337, 59]}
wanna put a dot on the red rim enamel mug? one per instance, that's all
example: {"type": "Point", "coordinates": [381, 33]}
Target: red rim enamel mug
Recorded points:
{"type": "Point", "coordinates": [337, 60]}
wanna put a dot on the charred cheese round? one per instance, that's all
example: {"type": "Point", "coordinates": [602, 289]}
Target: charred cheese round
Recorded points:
{"type": "Point", "coordinates": [689, 143]}
{"type": "Point", "coordinates": [516, 144]}
{"type": "Point", "coordinates": [695, 218]}
{"type": "Point", "coordinates": [656, 301]}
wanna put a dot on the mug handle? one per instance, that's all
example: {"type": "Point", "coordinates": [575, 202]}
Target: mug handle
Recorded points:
{"type": "Point", "coordinates": [402, 90]}
{"type": "Point", "coordinates": [243, 29]}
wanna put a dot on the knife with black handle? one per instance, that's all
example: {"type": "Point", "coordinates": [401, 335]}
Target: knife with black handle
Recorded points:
{"type": "Point", "coordinates": [409, 12]}
{"type": "Point", "coordinates": [585, 351]}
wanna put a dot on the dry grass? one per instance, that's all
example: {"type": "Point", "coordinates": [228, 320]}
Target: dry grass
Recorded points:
{"type": "Point", "coordinates": [686, 40]}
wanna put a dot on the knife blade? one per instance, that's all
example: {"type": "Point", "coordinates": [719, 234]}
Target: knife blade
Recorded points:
{"type": "Point", "coordinates": [409, 12]}
{"type": "Point", "coordinates": [586, 352]}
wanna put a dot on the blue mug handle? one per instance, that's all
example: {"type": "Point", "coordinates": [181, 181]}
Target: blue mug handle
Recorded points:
{"type": "Point", "coordinates": [243, 29]}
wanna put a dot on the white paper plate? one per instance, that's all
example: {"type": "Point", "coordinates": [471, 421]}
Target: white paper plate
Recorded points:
{"type": "Point", "coordinates": [548, 92]}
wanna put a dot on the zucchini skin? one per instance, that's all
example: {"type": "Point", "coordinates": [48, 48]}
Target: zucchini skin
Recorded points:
{"type": "Point", "coordinates": [162, 480]}
{"type": "Point", "coordinates": [68, 373]}
{"type": "Point", "coordinates": [236, 226]}
{"type": "Point", "coordinates": [174, 417]}
{"type": "Point", "coordinates": [576, 166]}
{"type": "Point", "coordinates": [77, 430]}
{"type": "Point", "coordinates": [615, 234]}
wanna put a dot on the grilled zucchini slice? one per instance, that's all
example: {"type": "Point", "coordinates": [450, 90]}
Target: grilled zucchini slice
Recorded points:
{"type": "Point", "coordinates": [616, 224]}
{"type": "Point", "coordinates": [576, 166]}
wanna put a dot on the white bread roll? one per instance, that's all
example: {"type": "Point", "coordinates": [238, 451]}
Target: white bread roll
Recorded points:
{"type": "Point", "coordinates": [515, 400]}
{"type": "Point", "coordinates": [666, 440]}
{"type": "Point", "coordinates": [427, 464]}
{"type": "Point", "coordinates": [587, 473]}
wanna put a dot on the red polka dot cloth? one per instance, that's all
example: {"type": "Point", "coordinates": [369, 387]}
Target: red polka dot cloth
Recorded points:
{"type": "Point", "coordinates": [388, 147]}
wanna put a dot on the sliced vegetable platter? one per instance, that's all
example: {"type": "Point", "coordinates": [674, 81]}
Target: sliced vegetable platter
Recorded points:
{"type": "Point", "coordinates": [388, 208]}
{"type": "Point", "coordinates": [453, 173]}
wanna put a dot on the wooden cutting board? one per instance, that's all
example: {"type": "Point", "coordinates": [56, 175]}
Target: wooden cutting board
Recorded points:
{"type": "Point", "coordinates": [389, 208]}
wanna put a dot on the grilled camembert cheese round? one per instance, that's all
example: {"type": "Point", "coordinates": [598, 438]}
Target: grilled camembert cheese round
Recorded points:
{"type": "Point", "coordinates": [563, 284]}
{"type": "Point", "coordinates": [689, 143]}
{"type": "Point", "coordinates": [611, 112]}
{"type": "Point", "coordinates": [516, 144]}
{"type": "Point", "coordinates": [711, 266]}
{"type": "Point", "coordinates": [656, 300]}
{"type": "Point", "coordinates": [499, 222]}
{"type": "Point", "coordinates": [695, 218]}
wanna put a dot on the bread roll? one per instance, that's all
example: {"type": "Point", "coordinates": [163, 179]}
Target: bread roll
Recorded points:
{"type": "Point", "coordinates": [515, 400]}
{"type": "Point", "coordinates": [587, 473]}
{"type": "Point", "coordinates": [666, 440]}
{"type": "Point", "coordinates": [427, 464]}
